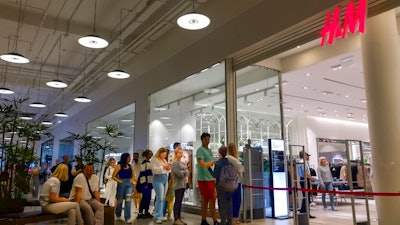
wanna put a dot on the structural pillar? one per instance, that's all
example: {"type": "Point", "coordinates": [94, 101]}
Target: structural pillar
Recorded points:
{"type": "Point", "coordinates": [381, 59]}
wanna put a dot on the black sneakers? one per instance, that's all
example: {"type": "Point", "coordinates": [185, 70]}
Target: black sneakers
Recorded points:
{"type": "Point", "coordinates": [148, 216]}
{"type": "Point", "coordinates": [204, 222]}
{"type": "Point", "coordinates": [140, 216]}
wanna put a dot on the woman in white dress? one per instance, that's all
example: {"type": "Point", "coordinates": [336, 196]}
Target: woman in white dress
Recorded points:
{"type": "Point", "coordinates": [52, 203]}
{"type": "Point", "coordinates": [111, 185]}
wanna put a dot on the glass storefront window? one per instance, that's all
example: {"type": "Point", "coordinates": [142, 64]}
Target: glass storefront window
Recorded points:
{"type": "Point", "coordinates": [182, 111]}
{"type": "Point", "coordinates": [124, 121]}
{"type": "Point", "coordinates": [258, 119]}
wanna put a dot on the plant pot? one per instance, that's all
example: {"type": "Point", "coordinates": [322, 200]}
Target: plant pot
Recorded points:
{"type": "Point", "coordinates": [12, 206]}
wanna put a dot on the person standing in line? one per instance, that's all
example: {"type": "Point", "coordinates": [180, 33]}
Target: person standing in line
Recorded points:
{"type": "Point", "coordinates": [237, 195]}
{"type": "Point", "coordinates": [125, 178]}
{"type": "Point", "coordinates": [326, 181]}
{"type": "Point", "coordinates": [52, 203]}
{"type": "Point", "coordinates": [66, 186]}
{"type": "Point", "coordinates": [85, 191]}
{"type": "Point", "coordinates": [160, 168]}
{"type": "Point", "coordinates": [136, 171]}
{"type": "Point", "coordinates": [206, 180]}
{"type": "Point", "coordinates": [304, 158]}
{"type": "Point", "coordinates": [144, 185]}
{"type": "Point", "coordinates": [180, 173]}
{"type": "Point", "coordinates": [111, 185]}
{"type": "Point", "coordinates": [35, 180]}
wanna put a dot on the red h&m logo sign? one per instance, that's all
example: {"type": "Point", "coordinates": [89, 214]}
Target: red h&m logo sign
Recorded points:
{"type": "Point", "coordinates": [333, 27]}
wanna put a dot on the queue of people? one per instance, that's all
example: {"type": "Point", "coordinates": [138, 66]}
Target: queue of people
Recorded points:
{"type": "Point", "coordinates": [75, 190]}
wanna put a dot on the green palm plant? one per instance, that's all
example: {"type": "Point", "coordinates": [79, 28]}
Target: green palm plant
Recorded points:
{"type": "Point", "coordinates": [17, 143]}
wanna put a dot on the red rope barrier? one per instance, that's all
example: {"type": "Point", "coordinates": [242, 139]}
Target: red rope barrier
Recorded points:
{"type": "Point", "coordinates": [355, 193]}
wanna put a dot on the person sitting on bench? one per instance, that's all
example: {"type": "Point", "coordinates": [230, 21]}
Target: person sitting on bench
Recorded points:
{"type": "Point", "coordinates": [85, 191]}
{"type": "Point", "coordinates": [52, 203]}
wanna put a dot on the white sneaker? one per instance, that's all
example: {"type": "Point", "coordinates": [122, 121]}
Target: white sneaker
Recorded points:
{"type": "Point", "coordinates": [136, 210]}
{"type": "Point", "coordinates": [119, 218]}
{"type": "Point", "coordinates": [129, 221]}
{"type": "Point", "coordinates": [158, 222]}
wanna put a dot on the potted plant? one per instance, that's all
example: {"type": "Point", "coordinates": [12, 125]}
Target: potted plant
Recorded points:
{"type": "Point", "coordinates": [17, 142]}
{"type": "Point", "coordinates": [94, 149]}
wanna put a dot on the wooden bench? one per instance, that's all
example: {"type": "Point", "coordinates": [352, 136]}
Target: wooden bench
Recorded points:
{"type": "Point", "coordinates": [38, 216]}
{"type": "Point", "coordinates": [29, 217]}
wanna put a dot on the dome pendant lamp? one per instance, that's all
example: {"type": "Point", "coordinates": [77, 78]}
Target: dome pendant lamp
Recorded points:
{"type": "Point", "coordinates": [118, 73]}
{"type": "Point", "coordinates": [3, 89]}
{"type": "Point", "coordinates": [82, 98]}
{"type": "Point", "coordinates": [14, 57]}
{"type": "Point", "coordinates": [93, 40]}
{"type": "Point", "coordinates": [57, 83]}
{"type": "Point", "coordinates": [38, 104]}
{"type": "Point", "coordinates": [193, 21]}
{"type": "Point", "coordinates": [61, 113]}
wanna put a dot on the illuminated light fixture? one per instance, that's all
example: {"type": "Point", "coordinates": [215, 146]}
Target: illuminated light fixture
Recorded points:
{"type": "Point", "coordinates": [211, 91]}
{"type": "Point", "coordinates": [93, 40]}
{"type": "Point", "coordinates": [6, 91]}
{"type": "Point", "coordinates": [165, 117]}
{"type": "Point", "coordinates": [307, 74]}
{"type": "Point", "coordinates": [46, 122]}
{"type": "Point", "coordinates": [25, 118]}
{"type": "Point", "coordinates": [38, 104]}
{"type": "Point", "coordinates": [193, 21]}
{"type": "Point", "coordinates": [101, 127]}
{"type": "Point", "coordinates": [119, 73]}
{"type": "Point", "coordinates": [57, 83]}
{"type": "Point", "coordinates": [160, 108]}
{"type": "Point", "coordinates": [14, 57]}
{"type": "Point", "coordinates": [126, 120]}
{"type": "Point", "coordinates": [363, 100]}
{"type": "Point", "coordinates": [61, 113]}
{"type": "Point", "coordinates": [83, 98]}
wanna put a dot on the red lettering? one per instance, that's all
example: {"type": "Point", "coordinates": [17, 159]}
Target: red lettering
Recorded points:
{"type": "Point", "coordinates": [332, 27]}
{"type": "Point", "coordinates": [350, 21]}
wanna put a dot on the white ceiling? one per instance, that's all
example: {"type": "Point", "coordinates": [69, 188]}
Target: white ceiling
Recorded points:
{"type": "Point", "coordinates": [43, 23]}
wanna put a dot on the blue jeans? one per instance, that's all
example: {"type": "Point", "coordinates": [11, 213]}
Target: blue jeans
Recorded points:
{"type": "Point", "coordinates": [160, 187]}
{"type": "Point", "coordinates": [328, 187]}
{"type": "Point", "coordinates": [237, 200]}
{"type": "Point", "coordinates": [124, 191]}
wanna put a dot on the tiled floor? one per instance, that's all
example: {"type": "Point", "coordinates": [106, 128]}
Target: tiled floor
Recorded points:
{"type": "Point", "coordinates": [327, 217]}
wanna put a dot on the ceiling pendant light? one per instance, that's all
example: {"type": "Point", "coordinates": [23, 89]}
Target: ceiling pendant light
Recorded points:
{"type": "Point", "coordinates": [61, 113]}
{"type": "Point", "coordinates": [4, 90]}
{"type": "Point", "coordinates": [14, 57]}
{"type": "Point", "coordinates": [193, 21]}
{"type": "Point", "coordinates": [118, 73]}
{"type": "Point", "coordinates": [38, 104]}
{"type": "Point", "coordinates": [93, 40]}
{"type": "Point", "coordinates": [46, 122]}
{"type": "Point", "coordinates": [82, 98]}
{"type": "Point", "coordinates": [57, 83]}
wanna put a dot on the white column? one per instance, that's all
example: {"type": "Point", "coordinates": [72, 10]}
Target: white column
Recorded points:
{"type": "Point", "coordinates": [381, 59]}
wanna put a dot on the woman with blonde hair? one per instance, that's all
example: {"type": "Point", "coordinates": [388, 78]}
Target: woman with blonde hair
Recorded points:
{"type": "Point", "coordinates": [52, 203]}
{"type": "Point", "coordinates": [237, 194]}
{"type": "Point", "coordinates": [160, 168]}
{"type": "Point", "coordinates": [326, 181]}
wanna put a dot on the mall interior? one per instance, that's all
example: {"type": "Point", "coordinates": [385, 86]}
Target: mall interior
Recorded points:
{"type": "Point", "coordinates": [260, 71]}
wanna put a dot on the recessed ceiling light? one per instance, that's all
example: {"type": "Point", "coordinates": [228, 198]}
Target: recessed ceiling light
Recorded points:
{"type": "Point", "coordinates": [349, 114]}
{"type": "Point", "coordinates": [210, 91]}
{"type": "Point", "coordinates": [346, 96]}
{"type": "Point", "coordinates": [307, 74]}
{"type": "Point", "coordinates": [126, 120]}
{"type": "Point", "coordinates": [363, 100]}
{"type": "Point", "coordinates": [298, 46]}
{"type": "Point", "coordinates": [301, 106]}
{"type": "Point", "coordinates": [101, 127]}
{"type": "Point", "coordinates": [305, 87]}
{"type": "Point", "coordinates": [165, 117]}
{"type": "Point", "coordinates": [160, 108]}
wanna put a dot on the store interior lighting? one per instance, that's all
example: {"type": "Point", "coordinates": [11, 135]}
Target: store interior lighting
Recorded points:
{"type": "Point", "coordinates": [193, 20]}
{"type": "Point", "coordinates": [93, 40]}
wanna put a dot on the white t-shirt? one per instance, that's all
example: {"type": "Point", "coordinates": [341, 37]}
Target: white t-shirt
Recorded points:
{"type": "Point", "coordinates": [51, 185]}
{"type": "Point", "coordinates": [80, 181]}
